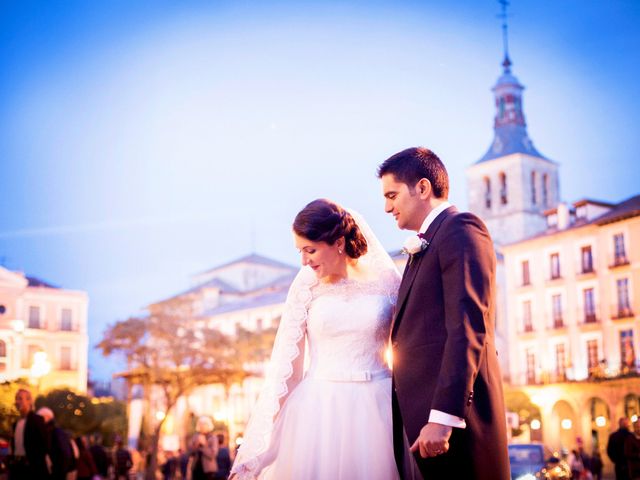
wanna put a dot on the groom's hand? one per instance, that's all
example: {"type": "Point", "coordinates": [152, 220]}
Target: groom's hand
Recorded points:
{"type": "Point", "coordinates": [433, 440]}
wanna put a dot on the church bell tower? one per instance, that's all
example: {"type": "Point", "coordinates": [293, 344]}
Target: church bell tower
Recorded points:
{"type": "Point", "coordinates": [513, 183]}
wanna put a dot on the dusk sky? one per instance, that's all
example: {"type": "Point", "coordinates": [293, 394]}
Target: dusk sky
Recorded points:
{"type": "Point", "coordinates": [142, 142]}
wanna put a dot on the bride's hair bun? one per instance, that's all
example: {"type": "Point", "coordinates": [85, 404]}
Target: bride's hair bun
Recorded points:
{"type": "Point", "coordinates": [324, 221]}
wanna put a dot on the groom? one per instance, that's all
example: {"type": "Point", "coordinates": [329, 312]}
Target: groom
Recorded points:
{"type": "Point", "coordinates": [446, 376]}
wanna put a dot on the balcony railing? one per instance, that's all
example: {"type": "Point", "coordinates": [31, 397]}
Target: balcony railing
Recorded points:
{"type": "Point", "coordinates": [557, 322]}
{"type": "Point", "coordinates": [619, 312]}
{"type": "Point", "coordinates": [587, 270]}
{"type": "Point", "coordinates": [619, 261]}
{"type": "Point", "coordinates": [526, 328]}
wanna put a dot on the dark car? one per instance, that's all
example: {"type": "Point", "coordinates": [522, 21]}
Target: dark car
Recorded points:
{"type": "Point", "coordinates": [530, 461]}
{"type": "Point", "coordinates": [526, 459]}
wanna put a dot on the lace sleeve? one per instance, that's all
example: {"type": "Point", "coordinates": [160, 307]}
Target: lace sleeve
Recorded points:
{"type": "Point", "coordinates": [283, 373]}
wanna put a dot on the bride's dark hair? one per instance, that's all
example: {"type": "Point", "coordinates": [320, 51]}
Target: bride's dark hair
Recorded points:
{"type": "Point", "coordinates": [324, 221]}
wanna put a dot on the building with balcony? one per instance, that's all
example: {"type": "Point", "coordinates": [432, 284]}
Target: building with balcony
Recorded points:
{"type": "Point", "coordinates": [568, 286]}
{"type": "Point", "coordinates": [43, 333]}
{"type": "Point", "coordinates": [572, 300]}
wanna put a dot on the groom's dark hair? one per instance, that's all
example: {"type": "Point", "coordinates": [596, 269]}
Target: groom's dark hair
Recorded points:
{"type": "Point", "coordinates": [412, 164]}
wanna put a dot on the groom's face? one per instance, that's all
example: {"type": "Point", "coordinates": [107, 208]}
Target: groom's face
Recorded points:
{"type": "Point", "coordinates": [405, 203]}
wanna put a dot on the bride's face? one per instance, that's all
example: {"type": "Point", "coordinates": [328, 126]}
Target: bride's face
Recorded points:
{"type": "Point", "coordinates": [325, 260]}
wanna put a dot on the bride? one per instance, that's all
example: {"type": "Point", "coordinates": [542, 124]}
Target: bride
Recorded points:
{"type": "Point", "coordinates": [334, 420]}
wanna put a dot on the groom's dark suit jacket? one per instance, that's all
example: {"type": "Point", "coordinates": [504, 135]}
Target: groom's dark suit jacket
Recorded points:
{"type": "Point", "coordinates": [444, 353]}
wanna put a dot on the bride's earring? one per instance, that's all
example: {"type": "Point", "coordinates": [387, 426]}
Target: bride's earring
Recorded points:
{"type": "Point", "coordinates": [340, 251]}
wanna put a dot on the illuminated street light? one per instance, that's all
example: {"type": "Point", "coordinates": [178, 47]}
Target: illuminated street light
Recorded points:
{"type": "Point", "coordinates": [601, 421]}
{"type": "Point", "coordinates": [160, 415]}
{"type": "Point", "coordinates": [634, 418]}
{"type": "Point", "coordinates": [535, 424]}
{"type": "Point", "coordinates": [566, 424]}
{"type": "Point", "coordinates": [40, 367]}
{"type": "Point", "coordinates": [221, 416]}
{"type": "Point", "coordinates": [18, 325]}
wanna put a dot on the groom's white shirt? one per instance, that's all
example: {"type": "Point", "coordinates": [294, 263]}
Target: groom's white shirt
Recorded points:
{"type": "Point", "coordinates": [436, 416]}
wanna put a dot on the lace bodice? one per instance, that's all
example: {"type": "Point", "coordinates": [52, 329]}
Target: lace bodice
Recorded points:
{"type": "Point", "coordinates": [348, 327]}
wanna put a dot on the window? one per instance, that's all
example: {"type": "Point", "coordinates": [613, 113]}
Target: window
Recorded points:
{"type": "Point", "coordinates": [526, 277]}
{"type": "Point", "coordinates": [487, 192]}
{"type": "Point", "coordinates": [545, 190]}
{"type": "Point", "coordinates": [3, 356]}
{"type": "Point", "coordinates": [66, 320]}
{"type": "Point", "coordinates": [27, 359]}
{"type": "Point", "coordinates": [556, 305]}
{"type": "Point", "coordinates": [531, 366]}
{"type": "Point", "coordinates": [624, 307]}
{"type": "Point", "coordinates": [627, 353]}
{"type": "Point", "coordinates": [503, 188]}
{"type": "Point", "coordinates": [259, 325]}
{"type": "Point", "coordinates": [526, 316]}
{"type": "Point", "coordinates": [592, 355]}
{"type": "Point", "coordinates": [65, 358]}
{"type": "Point", "coordinates": [561, 362]}
{"type": "Point", "coordinates": [555, 265]}
{"type": "Point", "coordinates": [34, 317]}
{"type": "Point", "coordinates": [589, 306]}
{"type": "Point", "coordinates": [586, 259]}
{"type": "Point", "coordinates": [534, 196]}
{"type": "Point", "coordinates": [620, 255]}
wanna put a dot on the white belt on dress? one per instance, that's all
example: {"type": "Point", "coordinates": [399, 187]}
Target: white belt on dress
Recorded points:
{"type": "Point", "coordinates": [358, 376]}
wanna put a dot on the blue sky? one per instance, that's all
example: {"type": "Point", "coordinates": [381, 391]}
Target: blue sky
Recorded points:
{"type": "Point", "coordinates": [142, 142]}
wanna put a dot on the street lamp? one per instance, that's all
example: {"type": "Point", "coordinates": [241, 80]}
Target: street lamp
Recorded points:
{"type": "Point", "coordinates": [40, 367]}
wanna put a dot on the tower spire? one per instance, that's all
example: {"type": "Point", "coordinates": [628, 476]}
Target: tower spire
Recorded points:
{"type": "Point", "coordinates": [506, 63]}
{"type": "Point", "coordinates": [509, 124]}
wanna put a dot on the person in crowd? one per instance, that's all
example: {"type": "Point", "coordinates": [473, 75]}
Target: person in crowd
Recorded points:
{"type": "Point", "coordinates": [183, 461]}
{"type": "Point", "coordinates": [223, 459]}
{"type": "Point", "coordinates": [596, 465]}
{"type": "Point", "coordinates": [122, 461]}
{"type": "Point", "coordinates": [100, 457]}
{"type": "Point", "coordinates": [86, 467]}
{"type": "Point", "coordinates": [29, 444]}
{"type": "Point", "coordinates": [204, 450]}
{"type": "Point", "coordinates": [615, 449]}
{"type": "Point", "coordinates": [169, 467]}
{"type": "Point", "coordinates": [61, 454]}
{"type": "Point", "coordinates": [632, 451]}
{"type": "Point", "coordinates": [576, 465]}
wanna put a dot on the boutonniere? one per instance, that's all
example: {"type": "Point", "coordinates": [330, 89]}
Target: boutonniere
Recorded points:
{"type": "Point", "coordinates": [415, 244]}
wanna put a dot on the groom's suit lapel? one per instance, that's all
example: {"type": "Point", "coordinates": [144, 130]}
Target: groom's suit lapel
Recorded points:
{"type": "Point", "coordinates": [413, 265]}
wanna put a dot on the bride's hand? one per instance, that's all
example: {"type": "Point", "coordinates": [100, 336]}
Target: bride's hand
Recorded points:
{"type": "Point", "coordinates": [433, 440]}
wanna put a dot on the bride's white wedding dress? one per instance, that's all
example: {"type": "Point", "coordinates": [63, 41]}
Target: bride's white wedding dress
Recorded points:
{"type": "Point", "coordinates": [333, 422]}
{"type": "Point", "coordinates": [336, 424]}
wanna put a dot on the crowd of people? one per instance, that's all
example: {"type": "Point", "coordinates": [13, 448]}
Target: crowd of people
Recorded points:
{"type": "Point", "coordinates": [41, 450]}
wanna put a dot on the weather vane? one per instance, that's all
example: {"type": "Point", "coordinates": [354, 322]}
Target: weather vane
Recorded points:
{"type": "Point", "coordinates": [505, 40]}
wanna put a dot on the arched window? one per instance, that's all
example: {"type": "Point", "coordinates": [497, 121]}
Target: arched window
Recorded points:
{"type": "Point", "coordinates": [534, 193]}
{"type": "Point", "coordinates": [487, 192]}
{"type": "Point", "coordinates": [545, 190]}
{"type": "Point", "coordinates": [503, 188]}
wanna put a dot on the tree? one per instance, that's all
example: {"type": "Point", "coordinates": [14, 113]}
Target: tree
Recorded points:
{"type": "Point", "coordinates": [170, 354]}
{"type": "Point", "coordinates": [81, 415]}
{"type": "Point", "coordinates": [8, 413]}
{"type": "Point", "coordinates": [519, 402]}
